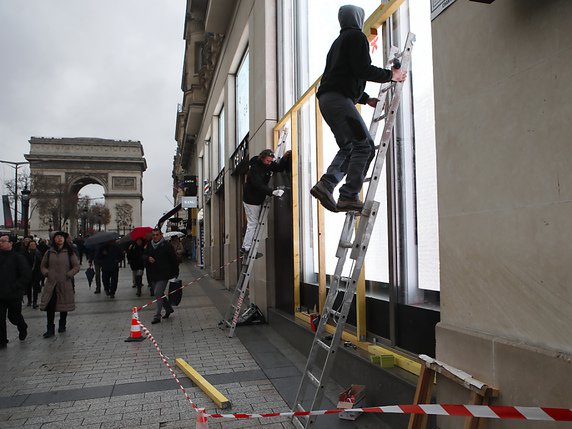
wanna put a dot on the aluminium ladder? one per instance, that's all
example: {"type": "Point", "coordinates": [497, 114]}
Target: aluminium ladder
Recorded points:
{"type": "Point", "coordinates": [233, 312]}
{"type": "Point", "coordinates": [322, 352]}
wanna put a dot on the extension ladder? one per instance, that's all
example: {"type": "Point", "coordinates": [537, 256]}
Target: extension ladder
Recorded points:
{"type": "Point", "coordinates": [233, 312]}
{"type": "Point", "coordinates": [318, 366]}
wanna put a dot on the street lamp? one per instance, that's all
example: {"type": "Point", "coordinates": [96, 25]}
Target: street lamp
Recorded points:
{"type": "Point", "coordinates": [15, 166]}
{"type": "Point", "coordinates": [25, 208]}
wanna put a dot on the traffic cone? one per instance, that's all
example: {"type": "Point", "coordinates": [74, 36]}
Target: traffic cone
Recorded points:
{"type": "Point", "coordinates": [201, 419]}
{"type": "Point", "coordinates": [135, 334]}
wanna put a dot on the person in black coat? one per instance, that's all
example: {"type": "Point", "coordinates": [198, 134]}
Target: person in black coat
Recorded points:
{"type": "Point", "coordinates": [135, 258]}
{"type": "Point", "coordinates": [256, 190]}
{"type": "Point", "coordinates": [161, 264]}
{"type": "Point", "coordinates": [34, 258]}
{"type": "Point", "coordinates": [108, 258]}
{"type": "Point", "coordinates": [348, 68]}
{"type": "Point", "coordinates": [15, 274]}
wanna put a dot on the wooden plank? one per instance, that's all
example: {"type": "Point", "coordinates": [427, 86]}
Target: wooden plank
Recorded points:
{"type": "Point", "coordinates": [218, 398]}
{"type": "Point", "coordinates": [322, 290]}
{"type": "Point", "coordinates": [379, 16]}
{"type": "Point", "coordinates": [295, 211]}
{"type": "Point", "coordinates": [422, 396]}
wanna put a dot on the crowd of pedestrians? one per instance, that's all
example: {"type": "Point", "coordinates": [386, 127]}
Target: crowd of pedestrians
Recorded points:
{"type": "Point", "coordinates": [40, 274]}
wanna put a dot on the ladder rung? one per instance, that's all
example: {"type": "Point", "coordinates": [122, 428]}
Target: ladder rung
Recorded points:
{"type": "Point", "coordinates": [346, 244]}
{"type": "Point", "coordinates": [335, 313]}
{"type": "Point", "coordinates": [379, 118]}
{"type": "Point", "coordinates": [323, 345]}
{"type": "Point", "coordinates": [299, 407]}
{"type": "Point", "coordinates": [313, 379]}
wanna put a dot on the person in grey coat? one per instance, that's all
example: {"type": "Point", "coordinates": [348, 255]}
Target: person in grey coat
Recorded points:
{"type": "Point", "coordinates": [59, 266]}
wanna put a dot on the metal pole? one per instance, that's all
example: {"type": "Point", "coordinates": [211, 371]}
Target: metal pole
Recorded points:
{"type": "Point", "coordinates": [15, 166]}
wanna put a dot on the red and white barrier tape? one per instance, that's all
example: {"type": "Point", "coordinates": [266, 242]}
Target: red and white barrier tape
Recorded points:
{"type": "Point", "coordinates": [484, 411]}
{"type": "Point", "coordinates": [185, 285]}
{"type": "Point", "coordinates": [166, 362]}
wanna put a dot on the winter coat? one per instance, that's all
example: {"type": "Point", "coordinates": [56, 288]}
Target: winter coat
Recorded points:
{"type": "Point", "coordinates": [59, 270]}
{"type": "Point", "coordinates": [348, 64]}
{"type": "Point", "coordinates": [256, 187]}
{"type": "Point", "coordinates": [135, 257]}
{"type": "Point", "coordinates": [108, 257]}
{"type": "Point", "coordinates": [15, 275]}
{"type": "Point", "coordinates": [34, 259]}
{"type": "Point", "coordinates": [165, 266]}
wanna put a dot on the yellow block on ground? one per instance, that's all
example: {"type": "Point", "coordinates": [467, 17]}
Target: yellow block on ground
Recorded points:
{"type": "Point", "coordinates": [218, 398]}
{"type": "Point", "coordinates": [400, 360]}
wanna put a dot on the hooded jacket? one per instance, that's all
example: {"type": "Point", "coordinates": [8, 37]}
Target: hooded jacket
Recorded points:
{"type": "Point", "coordinates": [348, 64]}
{"type": "Point", "coordinates": [256, 187]}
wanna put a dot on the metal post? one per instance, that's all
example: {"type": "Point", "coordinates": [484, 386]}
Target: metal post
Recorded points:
{"type": "Point", "coordinates": [15, 166]}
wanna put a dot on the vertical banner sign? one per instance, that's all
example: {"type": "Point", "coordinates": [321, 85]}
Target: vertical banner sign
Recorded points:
{"type": "Point", "coordinates": [438, 6]}
{"type": "Point", "coordinates": [8, 222]}
{"type": "Point", "coordinates": [202, 244]}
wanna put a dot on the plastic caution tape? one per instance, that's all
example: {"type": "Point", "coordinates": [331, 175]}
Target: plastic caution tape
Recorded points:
{"type": "Point", "coordinates": [483, 411]}
{"type": "Point", "coordinates": [185, 285]}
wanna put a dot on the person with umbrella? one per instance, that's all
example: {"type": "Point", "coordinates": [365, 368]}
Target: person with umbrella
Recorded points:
{"type": "Point", "coordinates": [161, 263]}
{"type": "Point", "coordinates": [59, 266]}
{"type": "Point", "coordinates": [135, 258]}
{"type": "Point", "coordinates": [91, 245]}
{"type": "Point", "coordinates": [109, 256]}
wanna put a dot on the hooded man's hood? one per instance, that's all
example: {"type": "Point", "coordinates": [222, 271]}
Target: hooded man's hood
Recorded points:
{"type": "Point", "coordinates": [351, 16]}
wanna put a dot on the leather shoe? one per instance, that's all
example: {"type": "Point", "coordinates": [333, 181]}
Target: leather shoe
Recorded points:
{"type": "Point", "coordinates": [168, 313]}
{"type": "Point", "coordinates": [348, 205]}
{"type": "Point", "coordinates": [154, 321]}
{"type": "Point", "coordinates": [321, 192]}
{"type": "Point", "coordinates": [23, 334]}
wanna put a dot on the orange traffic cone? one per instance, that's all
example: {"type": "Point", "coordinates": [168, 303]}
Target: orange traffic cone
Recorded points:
{"type": "Point", "coordinates": [135, 334]}
{"type": "Point", "coordinates": [201, 419]}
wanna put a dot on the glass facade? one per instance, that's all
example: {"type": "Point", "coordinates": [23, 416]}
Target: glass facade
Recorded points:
{"type": "Point", "coordinates": [242, 103]}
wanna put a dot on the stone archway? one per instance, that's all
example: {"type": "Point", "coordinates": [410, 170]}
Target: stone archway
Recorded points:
{"type": "Point", "coordinates": [69, 164]}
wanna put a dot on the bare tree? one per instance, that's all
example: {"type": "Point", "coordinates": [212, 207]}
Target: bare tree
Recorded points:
{"type": "Point", "coordinates": [99, 214]}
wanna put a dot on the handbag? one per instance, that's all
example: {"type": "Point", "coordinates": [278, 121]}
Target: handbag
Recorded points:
{"type": "Point", "coordinates": [175, 291]}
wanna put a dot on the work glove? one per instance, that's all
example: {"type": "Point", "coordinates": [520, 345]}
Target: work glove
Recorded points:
{"type": "Point", "coordinates": [278, 192]}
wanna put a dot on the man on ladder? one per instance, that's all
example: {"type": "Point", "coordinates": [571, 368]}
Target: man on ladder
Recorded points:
{"type": "Point", "coordinates": [256, 190]}
{"type": "Point", "coordinates": [348, 67]}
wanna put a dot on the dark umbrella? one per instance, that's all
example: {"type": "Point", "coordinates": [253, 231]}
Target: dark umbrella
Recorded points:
{"type": "Point", "coordinates": [100, 238]}
{"type": "Point", "coordinates": [90, 274]}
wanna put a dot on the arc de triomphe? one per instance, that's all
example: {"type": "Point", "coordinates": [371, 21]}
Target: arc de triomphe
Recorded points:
{"type": "Point", "coordinates": [117, 165]}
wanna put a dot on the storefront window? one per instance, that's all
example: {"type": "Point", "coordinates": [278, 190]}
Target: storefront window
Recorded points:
{"type": "Point", "coordinates": [242, 101]}
{"type": "Point", "coordinates": [221, 138]}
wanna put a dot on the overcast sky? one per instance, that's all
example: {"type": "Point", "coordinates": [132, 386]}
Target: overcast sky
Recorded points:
{"type": "Point", "coordinates": [86, 68]}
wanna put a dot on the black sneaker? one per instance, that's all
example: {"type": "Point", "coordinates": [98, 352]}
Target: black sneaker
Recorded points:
{"type": "Point", "coordinates": [349, 205]}
{"type": "Point", "coordinates": [154, 321]}
{"type": "Point", "coordinates": [321, 192]}
{"type": "Point", "coordinates": [168, 313]}
{"type": "Point", "coordinates": [23, 334]}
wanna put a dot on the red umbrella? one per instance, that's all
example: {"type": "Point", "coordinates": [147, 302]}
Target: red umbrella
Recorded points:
{"type": "Point", "coordinates": [140, 232]}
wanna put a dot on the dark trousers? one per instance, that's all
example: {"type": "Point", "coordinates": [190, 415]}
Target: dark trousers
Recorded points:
{"type": "Point", "coordinates": [51, 311]}
{"type": "Point", "coordinates": [97, 269]}
{"type": "Point", "coordinates": [14, 310]}
{"type": "Point", "coordinates": [110, 279]}
{"type": "Point", "coordinates": [32, 291]}
{"type": "Point", "coordinates": [357, 148]}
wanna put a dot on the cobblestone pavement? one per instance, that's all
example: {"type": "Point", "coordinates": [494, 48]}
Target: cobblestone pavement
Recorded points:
{"type": "Point", "coordinates": [89, 377]}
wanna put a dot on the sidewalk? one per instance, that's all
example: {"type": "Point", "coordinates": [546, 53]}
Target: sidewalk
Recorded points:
{"type": "Point", "coordinates": [89, 377]}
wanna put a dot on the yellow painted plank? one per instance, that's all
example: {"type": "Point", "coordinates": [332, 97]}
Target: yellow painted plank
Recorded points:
{"type": "Point", "coordinates": [322, 290]}
{"type": "Point", "coordinates": [218, 398]}
{"type": "Point", "coordinates": [379, 16]}
{"type": "Point", "coordinates": [295, 211]}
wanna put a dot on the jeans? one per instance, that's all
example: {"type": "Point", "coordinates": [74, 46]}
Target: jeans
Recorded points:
{"type": "Point", "coordinates": [252, 213]}
{"type": "Point", "coordinates": [357, 148]}
{"type": "Point", "coordinates": [159, 287]}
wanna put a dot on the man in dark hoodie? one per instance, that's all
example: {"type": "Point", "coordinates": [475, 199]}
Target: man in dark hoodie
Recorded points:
{"type": "Point", "coordinates": [256, 190]}
{"type": "Point", "coordinates": [15, 274]}
{"type": "Point", "coordinates": [348, 68]}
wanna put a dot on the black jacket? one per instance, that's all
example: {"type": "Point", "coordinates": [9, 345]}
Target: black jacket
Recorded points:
{"type": "Point", "coordinates": [109, 256]}
{"type": "Point", "coordinates": [256, 187]}
{"type": "Point", "coordinates": [135, 257]}
{"type": "Point", "coordinates": [348, 64]}
{"type": "Point", "coordinates": [15, 275]}
{"type": "Point", "coordinates": [165, 266]}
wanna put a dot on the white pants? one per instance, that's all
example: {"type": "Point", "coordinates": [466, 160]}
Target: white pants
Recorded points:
{"type": "Point", "coordinates": [252, 213]}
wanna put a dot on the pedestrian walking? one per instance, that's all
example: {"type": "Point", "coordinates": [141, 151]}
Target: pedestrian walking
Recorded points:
{"type": "Point", "coordinates": [348, 68]}
{"type": "Point", "coordinates": [59, 266]}
{"type": "Point", "coordinates": [161, 264]}
{"type": "Point", "coordinates": [109, 257]}
{"type": "Point", "coordinates": [34, 258]}
{"type": "Point", "coordinates": [136, 263]}
{"type": "Point", "coordinates": [15, 274]}
{"type": "Point", "coordinates": [256, 190]}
